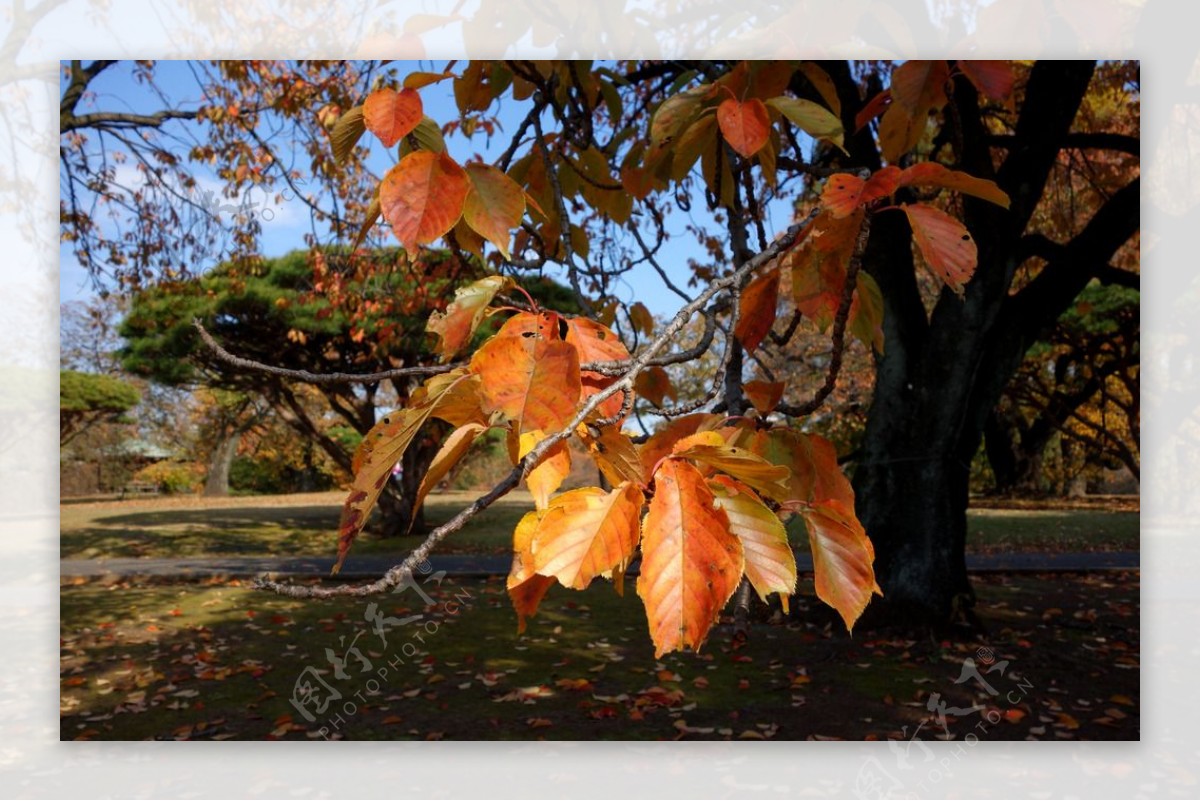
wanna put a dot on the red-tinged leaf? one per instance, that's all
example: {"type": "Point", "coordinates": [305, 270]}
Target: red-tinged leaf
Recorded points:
{"type": "Point", "coordinates": [843, 559]}
{"type": "Point", "coordinates": [819, 266]}
{"type": "Point", "coordinates": [494, 206]}
{"type": "Point", "coordinates": [760, 300]}
{"type": "Point", "coordinates": [382, 447]}
{"type": "Point", "coordinates": [587, 532]}
{"type": "Point", "coordinates": [874, 107]}
{"type": "Point", "coordinates": [456, 325]}
{"type": "Point", "coordinates": [946, 245]}
{"type": "Point", "coordinates": [422, 197]}
{"type": "Point", "coordinates": [419, 80]}
{"type": "Point", "coordinates": [811, 460]}
{"type": "Point", "coordinates": [458, 401]}
{"type": "Point", "coordinates": [530, 380]}
{"type": "Point", "coordinates": [549, 474]}
{"type": "Point", "coordinates": [770, 562]}
{"type": "Point", "coordinates": [930, 173]}
{"type": "Point", "coordinates": [615, 455]}
{"type": "Point", "coordinates": [654, 385]}
{"type": "Point", "coordinates": [709, 448]}
{"type": "Point", "coordinates": [345, 134]}
{"type": "Point", "coordinates": [597, 343]}
{"type": "Point", "coordinates": [993, 78]}
{"type": "Point", "coordinates": [842, 194]}
{"type": "Point", "coordinates": [744, 124]}
{"type": "Point", "coordinates": [918, 88]}
{"type": "Point", "coordinates": [392, 115]}
{"type": "Point", "coordinates": [816, 121]}
{"type": "Point", "coordinates": [450, 454]}
{"type": "Point", "coordinates": [882, 183]}
{"type": "Point", "coordinates": [525, 587]}
{"type": "Point", "coordinates": [691, 562]}
{"type": "Point", "coordinates": [637, 181]}
{"type": "Point", "coordinates": [764, 395]}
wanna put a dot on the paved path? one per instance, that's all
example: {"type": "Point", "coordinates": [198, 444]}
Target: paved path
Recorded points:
{"type": "Point", "coordinates": [374, 566]}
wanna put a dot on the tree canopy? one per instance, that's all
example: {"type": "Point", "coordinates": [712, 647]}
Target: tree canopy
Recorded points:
{"type": "Point", "coordinates": [85, 399]}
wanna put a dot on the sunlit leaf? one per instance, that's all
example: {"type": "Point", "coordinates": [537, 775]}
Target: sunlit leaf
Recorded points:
{"type": "Point", "coordinates": [530, 380]}
{"type": "Point", "coordinates": [740, 463]}
{"type": "Point", "coordinates": [814, 120]}
{"type": "Point", "coordinates": [587, 532]}
{"type": "Point", "coordinates": [392, 115]}
{"type": "Point", "coordinates": [744, 124]}
{"type": "Point", "coordinates": [691, 562]}
{"type": "Point", "coordinates": [449, 455]}
{"type": "Point", "coordinates": [843, 559]}
{"type": "Point", "coordinates": [494, 205]}
{"type": "Point", "coordinates": [770, 562]}
{"type": "Point", "coordinates": [455, 326]}
{"type": "Point", "coordinates": [525, 587]}
{"type": "Point", "coordinates": [346, 132]}
{"type": "Point", "coordinates": [615, 455]}
{"type": "Point", "coordinates": [422, 197]}
{"type": "Point", "coordinates": [548, 474]}
{"type": "Point", "coordinates": [930, 173]}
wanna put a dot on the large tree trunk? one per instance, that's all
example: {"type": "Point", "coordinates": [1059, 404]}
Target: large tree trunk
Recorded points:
{"type": "Point", "coordinates": [216, 485]}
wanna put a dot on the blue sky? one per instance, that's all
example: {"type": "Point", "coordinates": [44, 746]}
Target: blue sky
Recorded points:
{"type": "Point", "coordinates": [285, 224]}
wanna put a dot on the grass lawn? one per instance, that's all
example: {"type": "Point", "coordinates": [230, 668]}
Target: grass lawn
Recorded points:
{"type": "Point", "coordinates": [219, 661]}
{"type": "Point", "coordinates": [294, 525]}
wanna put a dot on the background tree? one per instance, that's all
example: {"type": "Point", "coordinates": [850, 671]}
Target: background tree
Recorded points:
{"type": "Point", "coordinates": [89, 399]}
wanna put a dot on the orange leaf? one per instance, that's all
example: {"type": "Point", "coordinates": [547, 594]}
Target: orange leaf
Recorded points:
{"type": "Point", "coordinates": [811, 460]}
{"type": "Point", "coordinates": [758, 307]}
{"type": "Point", "coordinates": [418, 80]}
{"type": "Point", "coordinates": [641, 318]}
{"type": "Point", "coordinates": [450, 454]}
{"type": "Point", "coordinates": [764, 395]}
{"type": "Point", "coordinates": [422, 197]}
{"type": "Point", "coordinates": [842, 194]}
{"type": "Point", "coordinates": [384, 446]}
{"type": "Point", "coordinates": [741, 463]}
{"type": "Point", "coordinates": [930, 173]}
{"type": "Point", "coordinates": [918, 88]}
{"type": "Point", "coordinates": [882, 183]}
{"type": "Point", "coordinates": [819, 266]}
{"type": "Point", "coordinates": [586, 532]}
{"type": "Point", "coordinates": [746, 126]}
{"type": "Point", "coordinates": [456, 325]}
{"type": "Point", "coordinates": [661, 442]}
{"type": "Point", "coordinates": [392, 115]}
{"type": "Point", "coordinates": [993, 78]}
{"type": "Point", "coordinates": [770, 562]}
{"type": "Point", "coordinates": [597, 343]}
{"type": "Point", "coordinates": [525, 588]}
{"type": "Point", "coordinates": [615, 455]}
{"type": "Point", "coordinates": [874, 107]}
{"type": "Point", "coordinates": [548, 475]}
{"type": "Point", "coordinates": [531, 380]}
{"type": "Point", "coordinates": [842, 558]}
{"type": "Point", "coordinates": [945, 243]}
{"type": "Point", "coordinates": [691, 562]}
{"type": "Point", "coordinates": [494, 206]}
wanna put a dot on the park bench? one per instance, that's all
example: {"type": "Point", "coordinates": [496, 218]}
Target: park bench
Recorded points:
{"type": "Point", "coordinates": [140, 488]}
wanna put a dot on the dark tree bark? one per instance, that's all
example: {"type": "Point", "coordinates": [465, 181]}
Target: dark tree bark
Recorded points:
{"type": "Point", "coordinates": [942, 373]}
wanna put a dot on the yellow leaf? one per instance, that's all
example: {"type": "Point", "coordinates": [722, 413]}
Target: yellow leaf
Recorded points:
{"type": "Point", "coordinates": [586, 532]}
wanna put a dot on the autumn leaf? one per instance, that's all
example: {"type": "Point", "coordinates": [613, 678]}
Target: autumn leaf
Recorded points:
{"type": "Point", "coordinates": [525, 587]}
{"type": "Point", "coordinates": [872, 109]}
{"type": "Point", "coordinates": [494, 205]}
{"type": "Point", "coordinates": [531, 380]}
{"type": "Point", "coordinates": [587, 532]}
{"type": "Point", "coordinates": [843, 558]}
{"type": "Point", "coordinates": [422, 197]}
{"type": "Point", "coordinates": [930, 173]}
{"type": "Point", "coordinates": [345, 134]}
{"type": "Point", "coordinates": [918, 88]}
{"type": "Point", "coordinates": [842, 194]}
{"type": "Point", "coordinates": [741, 463]}
{"type": "Point", "coordinates": [866, 312]}
{"type": "Point", "coordinates": [615, 455]}
{"type": "Point", "coordinates": [814, 120]}
{"type": "Point", "coordinates": [819, 266]}
{"type": "Point", "coordinates": [654, 385]}
{"type": "Point", "coordinates": [993, 78]}
{"type": "Point", "coordinates": [676, 113]}
{"type": "Point", "coordinates": [764, 395]}
{"type": "Point", "coordinates": [744, 124]}
{"type": "Point", "coordinates": [392, 115]}
{"type": "Point", "coordinates": [691, 562]}
{"type": "Point", "coordinates": [770, 562]}
{"type": "Point", "coordinates": [759, 301]}
{"type": "Point", "coordinates": [662, 442]}
{"type": "Point", "coordinates": [382, 447]}
{"type": "Point", "coordinates": [548, 474]}
{"type": "Point", "coordinates": [597, 343]}
{"type": "Point", "coordinates": [641, 318]}
{"type": "Point", "coordinates": [419, 80]}
{"type": "Point", "coordinates": [945, 244]}
{"type": "Point", "coordinates": [450, 454]}
{"type": "Point", "coordinates": [456, 325]}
